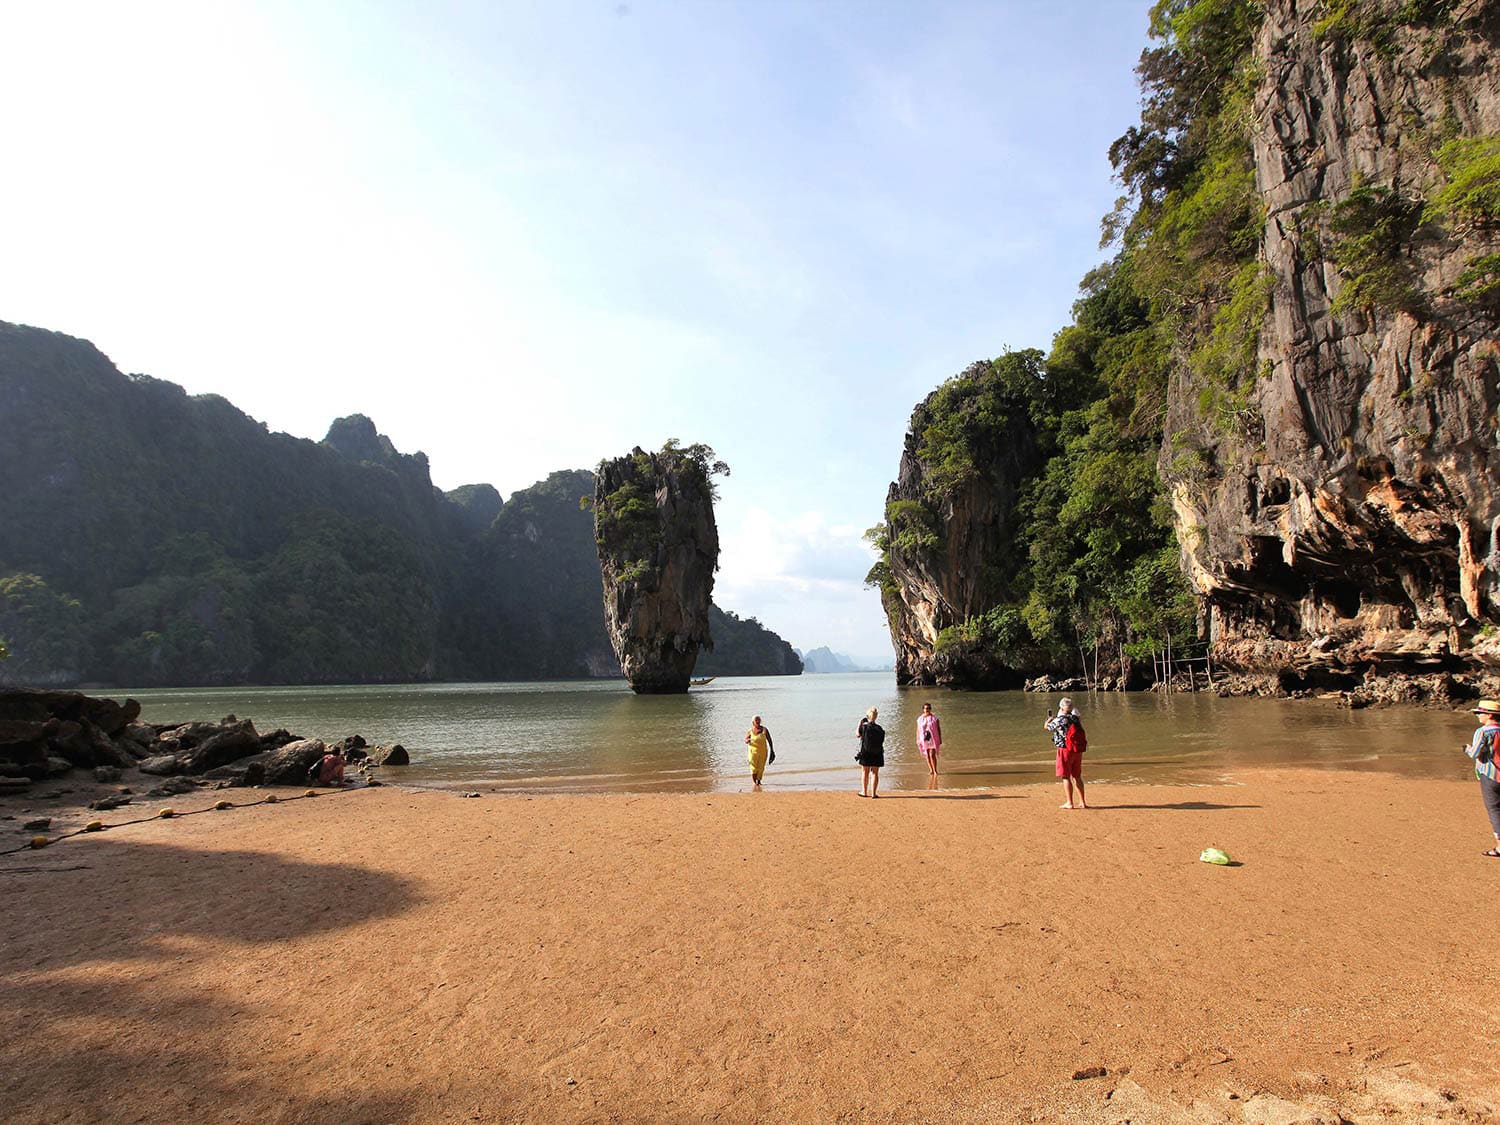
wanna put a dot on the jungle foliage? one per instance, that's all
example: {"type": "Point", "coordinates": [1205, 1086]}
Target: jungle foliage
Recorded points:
{"type": "Point", "coordinates": [1097, 563]}
{"type": "Point", "coordinates": [627, 523]}
{"type": "Point", "coordinates": [1183, 297]}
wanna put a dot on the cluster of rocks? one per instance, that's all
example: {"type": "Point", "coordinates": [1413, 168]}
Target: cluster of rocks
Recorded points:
{"type": "Point", "coordinates": [1056, 685]}
{"type": "Point", "coordinates": [1436, 689]}
{"type": "Point", "coordinates": [45, 734]}
{"type": "Point", "coordinates": [1061, 685]}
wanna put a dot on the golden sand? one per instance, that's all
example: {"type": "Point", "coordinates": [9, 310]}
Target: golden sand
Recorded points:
{"type": "Point", "coordinates": [393, 955]}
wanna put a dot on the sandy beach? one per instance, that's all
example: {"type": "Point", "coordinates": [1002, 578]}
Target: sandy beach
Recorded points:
{"type": "Point", "coordinates": [396, 955]}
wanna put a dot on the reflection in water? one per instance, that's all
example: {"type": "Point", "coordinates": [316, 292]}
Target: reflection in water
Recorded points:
{"type": "Point", "coordinates": [600, 737]}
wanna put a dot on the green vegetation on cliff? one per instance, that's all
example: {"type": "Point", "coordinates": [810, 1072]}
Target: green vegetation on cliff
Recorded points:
{"type": "Point", "coordinates": [1160, 381]}
{"type": "Point", "coordinates": [627, 522]}
{"type": "Point", "coordinates": [1094, 566]}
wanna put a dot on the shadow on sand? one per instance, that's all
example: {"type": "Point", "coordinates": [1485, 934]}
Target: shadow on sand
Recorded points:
{"type": "Point", "coordinates": [1186, 806]}
{"type": "Point", "coordinates": [104, 1024]}
{"type": "Point", "coordinates": [922, 795]}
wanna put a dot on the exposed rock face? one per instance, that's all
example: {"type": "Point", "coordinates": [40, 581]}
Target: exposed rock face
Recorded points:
{"type": "Point", "coordinates": [1354, 527]}
{"type": "Point", "coordinates": [965, 573]}
{"type": "Point", "coordinates": [46, 732]}
{"type": "Point", "coordinates": [289, 764]}
{"type": "Point", "coordinates": [658, 550]}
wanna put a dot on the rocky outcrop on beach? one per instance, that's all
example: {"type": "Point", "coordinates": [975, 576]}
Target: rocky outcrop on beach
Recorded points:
{"type": "Point", "coordinates": [1350, 529]}
{"type": "Point", "coordinates": [658, 550]}
{"type": "Point", "coordinates": [46, 734]}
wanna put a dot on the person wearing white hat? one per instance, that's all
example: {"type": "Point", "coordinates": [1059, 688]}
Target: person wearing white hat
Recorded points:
{"type": "Point", "coordinates": [1482, 748]}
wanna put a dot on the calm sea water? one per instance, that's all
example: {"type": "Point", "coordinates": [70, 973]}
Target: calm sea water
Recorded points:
{"type": "Point", "coordinates": [600, 737]}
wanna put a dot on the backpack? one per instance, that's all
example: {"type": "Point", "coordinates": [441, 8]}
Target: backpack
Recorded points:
{"type": "Point", "coordinates": [1075, 740]}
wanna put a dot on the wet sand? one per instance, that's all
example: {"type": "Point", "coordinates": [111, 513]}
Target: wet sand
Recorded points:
{"type": "Point", "coordinates": [390, 955]}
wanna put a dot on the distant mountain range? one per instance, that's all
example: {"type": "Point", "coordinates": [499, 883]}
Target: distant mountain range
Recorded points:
{"type": "Point", "coordinates": [149, 537]}
{"type": "Point", "coordinates": [821, 660]}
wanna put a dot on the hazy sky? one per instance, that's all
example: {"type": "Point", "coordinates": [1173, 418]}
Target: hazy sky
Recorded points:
{"type": "Point", "coordinates": [522, 237]}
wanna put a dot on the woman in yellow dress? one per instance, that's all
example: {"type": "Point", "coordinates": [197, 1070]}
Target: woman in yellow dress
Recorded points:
{"type": "Point", "coordinates": [762, 749]}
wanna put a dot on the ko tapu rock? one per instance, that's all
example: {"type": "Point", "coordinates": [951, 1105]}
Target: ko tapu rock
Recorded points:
{"type": "Point", "coordinates": [658, 550]}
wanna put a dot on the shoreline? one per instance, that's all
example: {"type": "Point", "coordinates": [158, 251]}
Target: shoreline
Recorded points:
{"type": "Point", "coordinates": [66, 800]}
{"type": "Point", "coordinates": [942, 956]}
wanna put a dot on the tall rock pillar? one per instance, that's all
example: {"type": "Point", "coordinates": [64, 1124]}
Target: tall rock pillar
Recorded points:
{"type": "Point", "coordinates": [658, 550]}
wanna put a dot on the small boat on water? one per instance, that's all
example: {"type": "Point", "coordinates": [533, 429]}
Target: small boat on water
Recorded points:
{"type": "Point", "coordinates": [700, 683]}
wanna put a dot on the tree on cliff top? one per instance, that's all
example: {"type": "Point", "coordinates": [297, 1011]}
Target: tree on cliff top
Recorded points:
{"type": "Point", "coordinates": [627, 522]}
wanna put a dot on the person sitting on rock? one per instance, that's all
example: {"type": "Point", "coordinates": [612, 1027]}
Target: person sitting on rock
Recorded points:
{"type": "Point", "coordinates": [330, 771]}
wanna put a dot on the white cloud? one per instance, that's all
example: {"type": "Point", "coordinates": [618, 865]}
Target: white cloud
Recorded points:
{"type": "Point", "coordinates": [804, 576]}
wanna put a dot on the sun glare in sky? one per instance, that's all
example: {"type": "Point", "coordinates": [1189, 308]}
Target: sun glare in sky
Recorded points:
{"type": "Point", "coordinates": [523, 237]}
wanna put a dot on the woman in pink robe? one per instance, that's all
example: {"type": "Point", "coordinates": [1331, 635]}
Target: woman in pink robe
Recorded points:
{"type": "Point", "coordinates": [929, 737]}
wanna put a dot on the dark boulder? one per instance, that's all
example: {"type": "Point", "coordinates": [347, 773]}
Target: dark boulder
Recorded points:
{"type": "Point", "coordinates": [353, 742]}
{"type": "Point", "coordinates": [23, 732]}
{"type": "Point", "coordinates": [189, 735]}
{"type": "Point", "coordinates": [239, 740]}
{"type": "Point", "coordinates": [27, 704]}
{"type": "Point", "coordinates": [86, 746]}
{"type": "Point", "coordinates": [277, 739]}
{"type": "Point", "coordinates": [389, 756]}
{"type": "Point", "coordinates": [161, 765]}
{"type": "Point", "coordinates": [173, 787]}
{"type": "Point", "coordinates": [245, 772]}
{"type": "Point", "coordinates": [142, 734]}
{"type": "Point", "coordinates": [32, 765]}
{"type": "Point", "coordinates": [289, 764]}
{"type": "Point", "coordinates": [131, 749]}
{"type": "Point", "coordinates": [40, 705]}
{"type": "Point", "coordinates": [109, 716]}
{"type": "Point", "coordinates": [21, 756]}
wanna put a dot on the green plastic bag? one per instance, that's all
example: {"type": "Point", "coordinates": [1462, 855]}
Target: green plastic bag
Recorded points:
{"type": "Point", "coordinates": [1215, 855]}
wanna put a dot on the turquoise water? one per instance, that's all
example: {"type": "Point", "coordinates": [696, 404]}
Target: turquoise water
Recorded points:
{"type": "Point", "coordinates": [597, 736]}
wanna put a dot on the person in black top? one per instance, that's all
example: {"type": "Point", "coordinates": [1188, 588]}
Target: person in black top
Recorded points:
{"type": "Point", "coordinates": [871, 754]}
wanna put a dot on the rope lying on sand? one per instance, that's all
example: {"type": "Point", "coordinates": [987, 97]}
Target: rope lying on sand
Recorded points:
{"type": "Point", "coordinates": [37, 842]}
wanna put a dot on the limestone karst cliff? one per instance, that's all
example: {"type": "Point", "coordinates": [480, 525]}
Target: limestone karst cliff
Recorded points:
{"type": "Point", "coordinates": [1351, 522]}
{"type": "Point", "coordinates": [152, 537]}
{"type": "Point", "coordinates": [947, 542]}
{"type": "Point", "coordinates": [1277, 440]}
{"type": "Point", "coordinates": [658, 550]}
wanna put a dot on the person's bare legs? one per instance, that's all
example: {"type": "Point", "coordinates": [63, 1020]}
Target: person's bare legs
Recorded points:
{"type": "Point", "coordinates": [1082, 803]}
{"type": "Point", "coordinates": [1068, 789]}
{"type": "Point", "coordinates": [864, 781]}
{"type": "Point", "coordinates": [874, 781]}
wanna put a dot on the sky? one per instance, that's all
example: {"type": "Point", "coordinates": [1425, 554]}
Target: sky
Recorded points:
{"type": "Point", "coordinates": [523, 237]}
